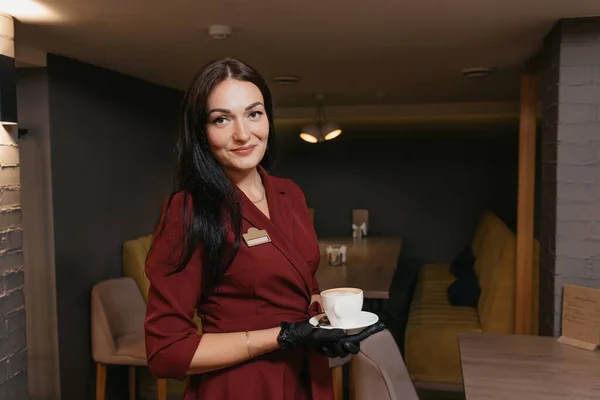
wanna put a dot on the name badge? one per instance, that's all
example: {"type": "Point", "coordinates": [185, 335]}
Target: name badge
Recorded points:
{"type": "Point", "coordinates": [254, 237]}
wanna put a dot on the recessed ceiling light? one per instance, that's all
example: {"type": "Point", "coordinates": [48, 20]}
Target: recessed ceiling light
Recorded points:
{"type": "Point", "coordinates": [477, 72]}
{"type": "Point", "coordinates": [286, 79]}
{"type": "Point", "coordinates": [219, 32]}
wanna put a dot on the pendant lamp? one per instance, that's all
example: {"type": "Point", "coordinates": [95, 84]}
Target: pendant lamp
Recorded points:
{"type": "Point", "coordinates": [321, 129]}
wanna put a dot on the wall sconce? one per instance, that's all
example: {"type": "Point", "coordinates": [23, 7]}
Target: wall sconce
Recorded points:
{"type": "Point", "coordinates": [8, 91]}
{"type": "Point", "coordinates": [8, 83]}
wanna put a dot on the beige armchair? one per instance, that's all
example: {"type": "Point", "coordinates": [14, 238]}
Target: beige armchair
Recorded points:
{"type": "Point", "coordinates": [118, 311]}
{"type": "Point", "coordinates": [378, 371]}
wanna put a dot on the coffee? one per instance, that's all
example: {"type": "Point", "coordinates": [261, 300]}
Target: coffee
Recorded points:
{"type": "Point", "coordinates": [341, 292]}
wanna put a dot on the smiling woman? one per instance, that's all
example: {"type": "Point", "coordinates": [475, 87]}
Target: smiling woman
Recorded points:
{"type": "Point", "coordinates": [255, 297]}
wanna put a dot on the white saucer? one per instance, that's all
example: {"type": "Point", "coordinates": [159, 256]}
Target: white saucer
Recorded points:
{"type": "Point", "coordinates": [365, 319]}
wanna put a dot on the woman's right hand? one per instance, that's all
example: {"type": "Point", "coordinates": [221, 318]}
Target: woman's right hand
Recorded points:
{"type": "Point", "coordinates": [296, 334]}
{"type": "Point", "coordinates": [351, 344]}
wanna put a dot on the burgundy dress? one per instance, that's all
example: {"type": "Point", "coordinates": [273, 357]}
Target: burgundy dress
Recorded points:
{"type": "Point", "coordinates": [265, 284]}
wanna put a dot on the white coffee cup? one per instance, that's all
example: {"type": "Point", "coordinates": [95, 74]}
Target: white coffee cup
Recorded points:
{"type": "Point", "coordinates": [342, 306]}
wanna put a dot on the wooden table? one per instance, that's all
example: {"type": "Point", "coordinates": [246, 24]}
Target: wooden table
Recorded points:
{"type": "Point", "coordinates": [370, 264]}
{"type": "Point", "coordinates": [526, 367]}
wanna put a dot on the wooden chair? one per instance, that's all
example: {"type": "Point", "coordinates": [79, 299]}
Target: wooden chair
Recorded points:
{"type": "Point", "coordinates": [118, 311]}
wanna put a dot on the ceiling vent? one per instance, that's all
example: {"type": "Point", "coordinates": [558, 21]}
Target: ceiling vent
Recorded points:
{"type": "Point", "coordinates": [477, 72]}
{"type": "Point", "coordinates": [286, 79]}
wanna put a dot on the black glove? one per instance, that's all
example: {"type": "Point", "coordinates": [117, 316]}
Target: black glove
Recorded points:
{"type": "Point", "coordinates": [350, 344]}
{"type": "Point", "coordinates": [296, 334]}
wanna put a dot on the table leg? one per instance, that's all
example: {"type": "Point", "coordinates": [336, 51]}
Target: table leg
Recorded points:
{"type": "Point", "coordinates": [351, 376]}
{"type": "Point", "coordinates": [338, 388]}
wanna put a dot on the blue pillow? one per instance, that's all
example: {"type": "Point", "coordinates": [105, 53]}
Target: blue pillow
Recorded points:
{"type": "Point", "coordinates": [464, 263]}
{"type": "Point", "coordinates": [464, 291]}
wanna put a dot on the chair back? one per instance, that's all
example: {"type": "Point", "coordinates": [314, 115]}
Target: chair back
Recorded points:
{"type": "Point", "coordinates": [135, 252]}
{"type": "Point", "coordinates": [378, 370]}
{"type": "Point", "coordinates": [118, 311]}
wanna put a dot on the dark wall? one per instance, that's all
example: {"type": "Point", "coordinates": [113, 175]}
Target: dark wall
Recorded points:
{"type": "Point", "coordinates": [43, 378]}
{"type": "Point", "coordinates": [111, 142]}
{"type": "Point", "coordinates": [428, 188]}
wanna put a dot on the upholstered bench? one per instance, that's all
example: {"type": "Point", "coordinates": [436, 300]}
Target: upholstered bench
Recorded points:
{"type": "Point", "coordinates": [431, 340]}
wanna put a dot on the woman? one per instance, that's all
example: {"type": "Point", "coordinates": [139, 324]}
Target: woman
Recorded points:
{"type": "Point", "coordinates": [253, 296]}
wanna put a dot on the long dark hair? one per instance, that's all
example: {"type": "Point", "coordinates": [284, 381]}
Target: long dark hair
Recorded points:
{"type": "Point", "coordinates": [215, 206]}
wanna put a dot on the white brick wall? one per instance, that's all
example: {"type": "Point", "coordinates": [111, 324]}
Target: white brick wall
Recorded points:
{"type": "Point", "coordinates": [13, 347]}
{"type": "Point", "coordinates": [570, 228]}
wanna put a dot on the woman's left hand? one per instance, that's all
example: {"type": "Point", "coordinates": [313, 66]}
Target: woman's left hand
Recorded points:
{"type": "Point", "coordinates": [351, 343]}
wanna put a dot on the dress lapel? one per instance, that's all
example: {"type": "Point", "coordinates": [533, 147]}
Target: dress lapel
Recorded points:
{"type": "Point", "coordinates": [280, 226]}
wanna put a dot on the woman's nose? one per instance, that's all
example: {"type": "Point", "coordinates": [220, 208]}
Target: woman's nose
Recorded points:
{"type": "Point", "coordinates": [241, 132]}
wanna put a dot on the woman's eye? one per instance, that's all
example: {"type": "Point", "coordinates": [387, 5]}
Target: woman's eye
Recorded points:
{"type": "Point", "coordinates": [219, 120]}
{"type": "Point", "coordinates": [255, 114]}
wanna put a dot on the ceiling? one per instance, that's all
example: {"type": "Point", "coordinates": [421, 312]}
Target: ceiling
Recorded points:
{"type": "Point", "coordinates": [355, 53]}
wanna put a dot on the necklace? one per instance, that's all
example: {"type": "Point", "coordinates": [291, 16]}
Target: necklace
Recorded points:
{"type": "Point", "coordinates": [261, 199]}
{"type": "Point", "coordinates": [264, 192]}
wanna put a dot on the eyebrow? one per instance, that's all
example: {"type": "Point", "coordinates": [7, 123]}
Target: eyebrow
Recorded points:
{"type": "Point", "coordinates": [226, 111]}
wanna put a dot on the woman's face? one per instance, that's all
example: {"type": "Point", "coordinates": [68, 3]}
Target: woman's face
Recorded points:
{"type": "Point", "coordinates": [237, 125]}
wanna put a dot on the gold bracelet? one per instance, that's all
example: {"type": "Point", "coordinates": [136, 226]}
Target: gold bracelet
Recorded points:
{"type": "Point", "coordinates": [248, 344]}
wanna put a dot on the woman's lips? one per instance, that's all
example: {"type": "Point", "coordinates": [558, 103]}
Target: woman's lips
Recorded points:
{"type": "Point", "coordinates": [244, 151]}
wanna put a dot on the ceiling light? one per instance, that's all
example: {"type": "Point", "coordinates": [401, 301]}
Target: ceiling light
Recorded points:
{"type": "Point", "coordinates": [477, 72]}
{"type": "Point", "coordinates": [331, 133]}
{"type": "Point", "coordinates": [27, 10]}
{"type": "Point", "coordinates": [322, 129]}
{"type": "Point", "coordinates": [310, 137]}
